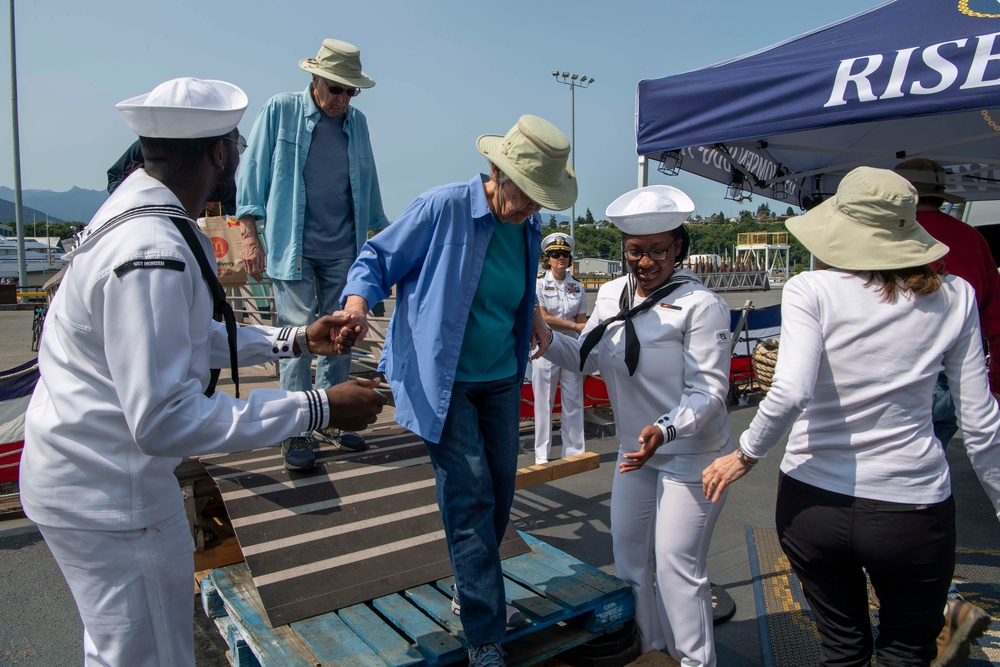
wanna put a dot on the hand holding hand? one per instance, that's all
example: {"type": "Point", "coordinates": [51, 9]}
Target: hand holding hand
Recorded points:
{"type": "Point", "coordinates": [355, 329]}
{"type": "Point", "coordinates": [649, 440]}
{"type": "Point", "coordinates": [322, 334]}
{"type": "Point", "coordinates": [354, 404]}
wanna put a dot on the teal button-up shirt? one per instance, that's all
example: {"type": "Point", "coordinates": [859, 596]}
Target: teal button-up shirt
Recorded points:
{"type": "Point", "coordinates": [270, 185]}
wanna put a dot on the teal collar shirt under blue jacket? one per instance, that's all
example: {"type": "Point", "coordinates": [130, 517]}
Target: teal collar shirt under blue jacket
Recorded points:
{"type": "Point", "coordinates": [270, 184]}
{"type": "Point", "coordinates": [434, 255]}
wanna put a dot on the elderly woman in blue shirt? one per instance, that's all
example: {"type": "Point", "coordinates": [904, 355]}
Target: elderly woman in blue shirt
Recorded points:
{"type": "Point", "coordinates": [464, 257]}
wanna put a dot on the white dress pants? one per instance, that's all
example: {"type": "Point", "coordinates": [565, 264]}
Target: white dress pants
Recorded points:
{"type": "Point", "coordinates": [545, 377]}
{"type": "Point", "coordinates": [133, 589]}
{"type": "Point", "coordinates": [661, 530]}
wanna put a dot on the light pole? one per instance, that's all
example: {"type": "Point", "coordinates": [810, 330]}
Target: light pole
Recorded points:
{"type": "Point", "coordinates": [574, 81]}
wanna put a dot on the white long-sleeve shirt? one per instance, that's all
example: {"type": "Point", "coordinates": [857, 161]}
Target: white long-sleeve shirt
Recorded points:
{"type": "Point", "coordinates": [854, 384]}
{"type": "Point", "coordinates": [682, 377]}
{"type": "Point", "coordinates": [124, 362]}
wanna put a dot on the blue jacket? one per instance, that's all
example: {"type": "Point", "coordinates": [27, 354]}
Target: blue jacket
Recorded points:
{"type": "Point", "coordinates": [434, 255]}
{"type": "Point", "coordinates": [270, 184]}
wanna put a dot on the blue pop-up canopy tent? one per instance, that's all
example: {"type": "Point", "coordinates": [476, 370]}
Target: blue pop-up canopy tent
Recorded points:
{"type": "Point", "coordinates": [908, 78]}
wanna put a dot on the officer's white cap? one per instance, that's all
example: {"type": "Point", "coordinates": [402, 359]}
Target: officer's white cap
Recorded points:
{"type": "Point", "coordinates": [185, 108]}
{"type": "Point", "coordinates": [650, 210]}
{"type": "Point", "coordinates": [558, 241]}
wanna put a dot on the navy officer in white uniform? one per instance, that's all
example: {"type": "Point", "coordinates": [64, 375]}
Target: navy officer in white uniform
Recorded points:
{"type": "Point", "coordinates": [126, 388]}
{"type": "Point", "coordinates": [563, 305]}
{"type": "Point", "coordinates": [661, 341]}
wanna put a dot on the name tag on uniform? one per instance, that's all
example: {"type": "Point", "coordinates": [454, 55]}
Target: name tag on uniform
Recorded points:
{"type": "Point", "coordinates": [550, 288]}
{"type": "Point", "coordinates": [670, 306]}
{"type": "Point", "coordinates": [149, 263]}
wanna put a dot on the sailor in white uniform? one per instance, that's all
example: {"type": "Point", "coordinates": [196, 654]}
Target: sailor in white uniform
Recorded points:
{"type": "Point", "coordinates": [563, 305]}
{"type": "Point", "coordinates": [126, 388]}
{"type": "Point", "coordinates": [661, 341]}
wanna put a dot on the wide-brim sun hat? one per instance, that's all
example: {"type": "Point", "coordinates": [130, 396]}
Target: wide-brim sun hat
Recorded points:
{"type": "Point", "coordinates": [340, 62]}
{"type": "Point", "coordinates": [558, 241]}
{"type": "Point", "coordinates": [870, 224]}
{"type": "Point", "coordinates": [928, 177]}
{"type": "Point", "coordinates": [534, 154]}
{"type": "Point", "coordinates": [185, 108]}
{"type": "Point", "coordinates": [650, 210]}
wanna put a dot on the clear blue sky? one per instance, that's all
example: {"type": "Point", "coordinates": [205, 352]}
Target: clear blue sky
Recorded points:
{"type": "Point", "coordinates": [446, 72]}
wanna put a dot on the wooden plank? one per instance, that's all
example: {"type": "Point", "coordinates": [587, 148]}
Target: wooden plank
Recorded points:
{"type": "Point", "coordinates": [559, 560]}
{"type": "Point", "coordinates": [227, 552]}
{"type": "Point", "coordinates": [558, 469]}
{"type": "Point", "coordinates": [535, 606]}
{"type": "Point", "coordinates": [380, 636]}
{"type": "Point", "coordinates": [551, 583]}
{"type": "Point", "coordinates": [239, 653]}
{"type": "Point", "coordinates": [437, 606]}
{"type": "Point", "coordinates": [432, 639]}
{"type": "Point", "coordinates": [211, 601]}
{"type": "Point", "coordinates": [334, 643]}
{"type": "Point", "coordinates": [279, 646]}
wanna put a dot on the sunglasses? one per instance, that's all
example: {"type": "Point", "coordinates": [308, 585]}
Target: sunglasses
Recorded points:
{"type": "Point", "coordinates": [240, 141]}
{"type": "Point", "coordinates": [337, 90]}
{"type": "Point", "coordinates": [559, 254]}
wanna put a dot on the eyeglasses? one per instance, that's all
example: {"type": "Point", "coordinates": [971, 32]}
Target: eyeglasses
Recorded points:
{"type": "Point", "coordinates": [337, 90]}
{"type": "Point", "coordinates": [559, 254]}
{"type": "Point", "coordinates": [240, 141]}
{"type": "Point", "coordinates": [656, 254]}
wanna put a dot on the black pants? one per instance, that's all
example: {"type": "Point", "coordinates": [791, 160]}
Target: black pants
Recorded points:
{"type": "Point", "coordinates": [908, 552]}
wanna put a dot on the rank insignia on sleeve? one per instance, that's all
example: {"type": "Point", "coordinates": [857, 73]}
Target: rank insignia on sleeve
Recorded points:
{"type": "Point", "coordinates": [149, 263]}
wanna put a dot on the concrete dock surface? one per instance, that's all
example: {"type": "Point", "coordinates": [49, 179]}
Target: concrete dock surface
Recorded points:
{"type": "Point", "coordinates": [39, 626]}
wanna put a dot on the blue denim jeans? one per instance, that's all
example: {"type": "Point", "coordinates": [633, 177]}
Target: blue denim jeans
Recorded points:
{"type": "Point", "coordinates": [943, 412]}
{"type": "Point", "coordinates": [295, 302]}
{"type": "Point", "coordinates": [475, 465]}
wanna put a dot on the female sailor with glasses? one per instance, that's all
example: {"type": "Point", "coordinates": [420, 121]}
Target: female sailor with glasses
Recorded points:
{"type": "Point", "coordinates": [661, 341]}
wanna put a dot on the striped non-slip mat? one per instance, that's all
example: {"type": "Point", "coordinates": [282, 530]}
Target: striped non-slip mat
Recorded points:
{"type": "Point", "coordinates": [788, 629]}
{"type": "Point", "coordinates": [360, 526]}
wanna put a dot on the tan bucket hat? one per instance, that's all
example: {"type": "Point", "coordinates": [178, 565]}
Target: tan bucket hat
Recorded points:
{"type": "Point", "coordinates": [928, 177]}
{"type": "Point", "coordinates": [338, 61]}
{"type": "Point", "coordinates": [870, 224]}
{"type": "Point", "coordinates": [534, 154]}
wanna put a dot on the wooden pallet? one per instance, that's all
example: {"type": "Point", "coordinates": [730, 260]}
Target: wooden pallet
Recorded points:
{"type": "Point", "coordinates": [566, 602]}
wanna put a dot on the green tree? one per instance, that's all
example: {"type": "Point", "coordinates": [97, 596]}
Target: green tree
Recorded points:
{"type": "Point", "coordinates": [589, 218]}
{"type": "Point", "coordinates": [764, 211]}
{"type": "Point", "coordinates": [789, 211]}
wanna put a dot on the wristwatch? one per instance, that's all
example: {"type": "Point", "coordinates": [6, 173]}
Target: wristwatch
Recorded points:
{"type": "Point", "coordinates": [747, 461]}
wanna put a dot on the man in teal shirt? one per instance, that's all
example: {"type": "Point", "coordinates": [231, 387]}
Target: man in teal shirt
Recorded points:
{"type": "Point", "coordinates": [309, 176]}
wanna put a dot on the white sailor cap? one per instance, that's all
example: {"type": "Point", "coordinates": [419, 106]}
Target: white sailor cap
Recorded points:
{"type": "Point", "coordinates": [650, 210]}
{"type": "Point", "coordinates": [185, 108]}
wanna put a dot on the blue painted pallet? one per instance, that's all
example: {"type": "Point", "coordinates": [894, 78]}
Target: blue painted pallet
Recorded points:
{"type": "Point", "coordinates": [566, 602]}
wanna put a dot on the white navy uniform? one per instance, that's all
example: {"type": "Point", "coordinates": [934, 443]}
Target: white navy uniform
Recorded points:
{"type": "Point", "coordinates": [564, 299]}
{"type": "Point", "coordinates": [680, 384]}
{"type": "Point", "coordinates": [124, 362]}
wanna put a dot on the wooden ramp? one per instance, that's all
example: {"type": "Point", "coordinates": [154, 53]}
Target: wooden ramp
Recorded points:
{"type": "Point", "coordinates": [566, 602]}
{"type": "Point", "coordinates": [361, 525]}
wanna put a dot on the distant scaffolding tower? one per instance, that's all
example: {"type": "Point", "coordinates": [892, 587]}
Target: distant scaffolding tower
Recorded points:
{"type": "Point", "coordinates": [765, 251]}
